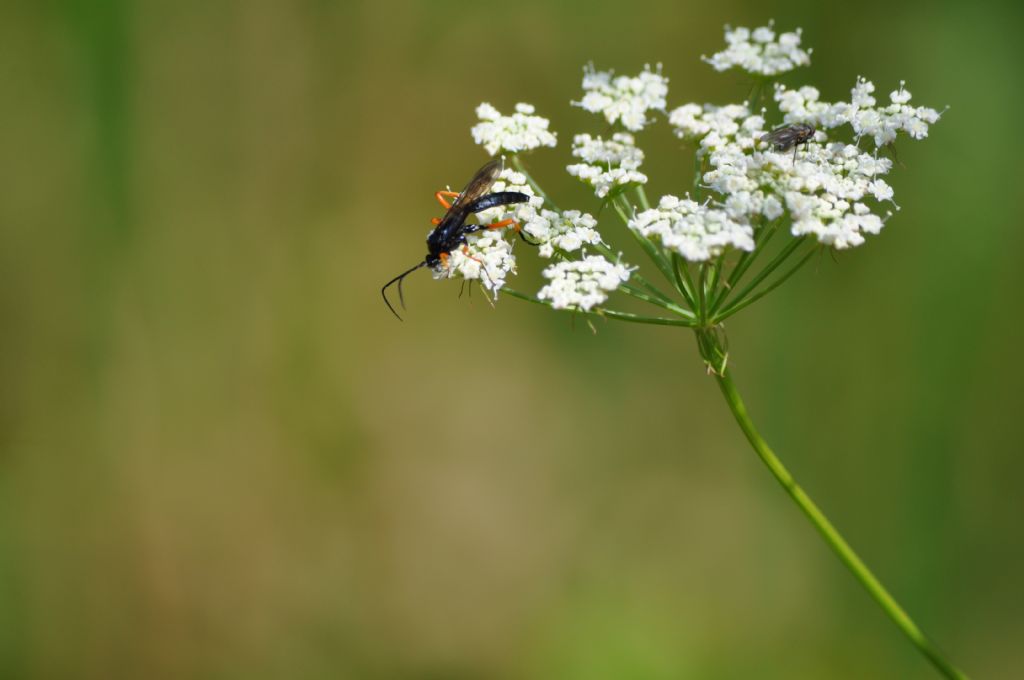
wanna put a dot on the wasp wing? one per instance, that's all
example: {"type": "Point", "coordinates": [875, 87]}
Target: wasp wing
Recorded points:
{"type": "Point", "coordinates": [446, 235]}
{"type": "Point", "coordinates": [481, 183]}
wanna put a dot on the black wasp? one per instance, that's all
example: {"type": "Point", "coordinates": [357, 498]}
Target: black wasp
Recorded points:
{"type": "Point", "coordinates": [790, 136]}
{"type": "Point", "coordinates": [450, 231]}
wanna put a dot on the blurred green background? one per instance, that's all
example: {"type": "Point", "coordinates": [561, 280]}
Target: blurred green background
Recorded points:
{"type": "Point", "coordinates": [222, 457]}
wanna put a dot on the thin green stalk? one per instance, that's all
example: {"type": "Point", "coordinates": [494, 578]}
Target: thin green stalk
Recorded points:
{"type": "Point", "coordinates": [648, 286]}
{"type": "Point", "coordinates": [633, 291]}
{"type": "Point", "coordinates": [642, 195]}
{"type": "Point", "coordinates": [519, 167]}
{"type": "Point", "coordinates": [681, 286]}
{"type": "Point", "coordinates": [648, 247]}
{"type": "Point", "coordinates": [702, 309]}
{"type": "Point", "coordinates": [732, 309]}
{"type": "Point", "coordinates": [685, 282]}
{"type": "Point", "coordinates": [698, 174]}
{"type": "Point", "coordinates": [635, 276]}
{"type": "Point", "coordinates": [606, 313]}
{"type": "Point", "coordinates": [764, 273]}
{"type": "Point", "coordinates": [746, 259]}
{"type": "Point", "coordinates": [716, 272]}
{"type": "Point", "coordinates": [831, 535]}
{"type": "Point", "coordinates": [621, 210]}
{"type": "Point", "coordinates": [755, 98]}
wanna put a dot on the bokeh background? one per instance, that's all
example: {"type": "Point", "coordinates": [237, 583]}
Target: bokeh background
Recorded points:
{"type": "Point", "coordinates": [223, 458]}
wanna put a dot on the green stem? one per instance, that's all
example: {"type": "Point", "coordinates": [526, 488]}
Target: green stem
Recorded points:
{"type": "Point", "coordinates": [702, 308]}
{"type": "Point", "coordinates": [519, 167]}
{"type": "Point", "coordinates": [831, 535]}
{"type": "Point", "coordinates": [764, 273]}
{"type": "Point", "coordinates": [639, 294]}
{"type": "Point", "coordinates": [642, 195]}
{"type": "Point", "coordinates": [622, 208]}
{"type": "Point", "coordinates": [648, 286]}
{"type": "Point", "coordinates": [716, 273]}
{"type": "Point", "coordinates": [746, 259]}
{"type": "Point", "coordinates": [606, 313]}
{"type": "Point", "coordinates": [683, 283]}
{"type": "Point", "coordinates": [737, 306]}
{"type": "Point", "coordinates": [755, 97]}
{"type": "Point", "coordinates": [698, 173]}
{"type": "Point", "coordinates": [683, 267]}
{"type": "Point", "coordinates": [635, 276]}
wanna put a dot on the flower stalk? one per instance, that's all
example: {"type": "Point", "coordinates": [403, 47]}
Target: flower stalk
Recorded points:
{"type": "Point", "coordinates": [746, 194]}
{"type": "Point", "coordinates": [825, 528]}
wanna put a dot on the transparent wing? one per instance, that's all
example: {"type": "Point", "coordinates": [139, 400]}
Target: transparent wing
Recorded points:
{"type": "Point", "coordinates": [481, 183]}
{"type": "Point", "coordinates": [445, 235]}
{"type": "Point", "coordinates": [785, 137]}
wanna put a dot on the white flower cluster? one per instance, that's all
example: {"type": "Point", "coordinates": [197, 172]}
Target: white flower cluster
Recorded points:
{"type": "Point", "coordinates": [568, 231]}
{"type": "Point", "coordinates": [825, 192]}
{"type": "Point", "coordinates": [823, 186]}
{"type": "Point", "coordinates": [487, 257]}
{"type": "Point", "coordinates": [717, 126]}
{"type": "Point", "coordinates": [522, 131]}
{"type": "Point", "coordinates": [623, 98]}
{"type": "Point", "coordinates": [760, 51]}
{"type": "Point", "coordinates": [881, 123]}
{"type": "Point", "coordinates": [607, 164]}
{"type": "Point", "coordinates": [824, 189]}
{"type": "Point", "coordinates": [695, 231]}
{"type": "Point", "coordinates": [582, 284]}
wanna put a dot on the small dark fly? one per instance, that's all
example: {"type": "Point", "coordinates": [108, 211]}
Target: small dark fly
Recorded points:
{"type": "Point", "coordinates": [450, 231]}
{"type": "Point", "coordinates": [789, 137]}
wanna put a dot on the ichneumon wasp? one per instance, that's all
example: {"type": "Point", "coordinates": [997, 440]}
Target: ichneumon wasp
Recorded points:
{"type": "Point", "coordinates": [450, 231]}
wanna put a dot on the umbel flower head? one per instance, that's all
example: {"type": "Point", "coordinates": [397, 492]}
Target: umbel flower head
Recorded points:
{"type": "Point", "coordinates": [695, 231]}
{"type": "Point", "coordinates": [624, 99]}
{"type": "Point", "coordinates": [826, 186]}
{"type": "Point", "coordinates": [522, 131]}
{"type": "Point", "coordinates": [882, 124]}
{"type": "Point", "coordinates": [607, 164]}
{"type": "Point", "coordinates": [564, 232]}
{"type": "Point", "coordinates": [778, 177]}
{"type": "Point", "coordinates": [582, 284]}
{"type": "Point", "coordinates": [760, 51]}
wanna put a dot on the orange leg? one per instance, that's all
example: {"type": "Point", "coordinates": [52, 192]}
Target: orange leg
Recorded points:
{"type": "Point", "coordinates": [483, 267]}
{"type": "Point", "coordinates": [435, 221]}
{"type": "Point", "coordinates": [444, 260]}
{"type": "Point", "coordinates": [465, 251]}
{"type": "Point", "coordinates": [505, 223]}
{"type": "Point", "coordinates": [440, 198]}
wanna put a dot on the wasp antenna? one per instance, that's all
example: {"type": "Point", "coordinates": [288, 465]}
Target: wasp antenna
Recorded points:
{"type": "Point", "coordinates": [398, 280]}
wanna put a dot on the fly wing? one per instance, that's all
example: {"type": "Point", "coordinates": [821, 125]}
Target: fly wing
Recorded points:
{"type": "Point", "coordinates": [782, 138]}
